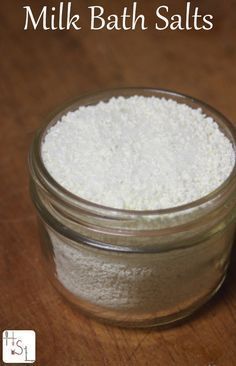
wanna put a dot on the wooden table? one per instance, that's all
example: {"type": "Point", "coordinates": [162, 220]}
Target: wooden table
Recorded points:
{"type": "Point", "coordinates": [39, 71]}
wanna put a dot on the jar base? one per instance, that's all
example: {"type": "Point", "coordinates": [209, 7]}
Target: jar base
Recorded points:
{"type": "Point", "coordinates": [115, 318]}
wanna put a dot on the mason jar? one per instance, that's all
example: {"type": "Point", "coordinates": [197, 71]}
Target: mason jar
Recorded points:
{"type": "Point", "coordinates": [127, 267]}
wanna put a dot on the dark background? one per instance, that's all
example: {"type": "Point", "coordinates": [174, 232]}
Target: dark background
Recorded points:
{"type": "Point", "coordinates": [39, 71]}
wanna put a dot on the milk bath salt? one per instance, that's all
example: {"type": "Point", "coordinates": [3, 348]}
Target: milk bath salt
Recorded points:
{"type": "Point", "coordinates": [139, 153]}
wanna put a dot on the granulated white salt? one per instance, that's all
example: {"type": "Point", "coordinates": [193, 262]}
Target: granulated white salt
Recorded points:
{"type": "Point", "coordinates": [138, 153]}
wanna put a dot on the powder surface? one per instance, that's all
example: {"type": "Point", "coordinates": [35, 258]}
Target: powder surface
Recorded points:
{"type": "Point", "coordinates": [138, 153]}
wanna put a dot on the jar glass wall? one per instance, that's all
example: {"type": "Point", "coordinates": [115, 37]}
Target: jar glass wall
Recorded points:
{"type": "Point", "coordinates": [134, 268]}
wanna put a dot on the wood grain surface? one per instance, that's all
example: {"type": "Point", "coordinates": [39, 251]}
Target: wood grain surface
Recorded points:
{"type": "Point", "coordinates": [39, 71]}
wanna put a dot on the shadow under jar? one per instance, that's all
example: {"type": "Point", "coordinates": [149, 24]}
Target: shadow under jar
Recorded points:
{"type": "Point", "coordinates": [134, 268]}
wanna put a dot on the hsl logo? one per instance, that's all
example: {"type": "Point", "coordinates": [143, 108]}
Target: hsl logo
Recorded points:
{"type": "Point", "coordinates": [18, 346]}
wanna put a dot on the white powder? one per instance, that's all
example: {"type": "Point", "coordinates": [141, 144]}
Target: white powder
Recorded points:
{"type": "Point", "coordinates": [163, 282]}
{"type": "Point", "coordinates": [138, 153]}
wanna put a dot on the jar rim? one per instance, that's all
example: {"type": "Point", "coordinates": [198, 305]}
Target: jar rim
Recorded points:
{"type": "Point", "coordinates": [40, 173]}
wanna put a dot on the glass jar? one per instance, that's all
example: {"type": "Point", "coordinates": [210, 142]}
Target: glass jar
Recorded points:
{"type": "Point", "coordinates": [134, 268]}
